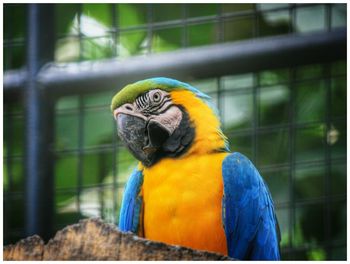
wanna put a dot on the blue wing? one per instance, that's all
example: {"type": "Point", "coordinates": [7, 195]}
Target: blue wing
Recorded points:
{"type": "Point", "coordinates": [129, 218]}
{"type": "Point", "coordinates": [250, 222]}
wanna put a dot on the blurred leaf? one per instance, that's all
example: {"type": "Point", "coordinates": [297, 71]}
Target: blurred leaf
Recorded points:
{"type": "Point", "coordinates": [269, 6]}
{"type": "Point", "coordinates": [206, 85]}
{"type": "Point", "coordinates": [274, 105]}
{"type": "Point", "coordinates": [97, 48]}
{"type": "Point", "coordinates": [309, 144]}
{"type": "Point", "coordinates": [338, 219]}
{"type": "Point", "coordinates": [309, 182]}
{"type": "Point", "coordinates": [166, 12]}
{"type": "Point", "coordinates": [268, 78]}
{"type": "Point", "coordinates": [202, 34]}
{"type": "Point", "coordinates": [67, 102]}
{"type": "Point", "coordinates": [167, 39]}
{"type": "Point", "coordinates": [339, 67]}
{"type": "Point", "coordinates": [64, 15]}
{"type": "Point", "coordinates": [317, 254]}
{"type": "Point", "coordinates": [132, 43]}
{"type": "Point", "coordinates": [66, 132]}
{"type": "Point", "coordinates": [131, 14]}
{"type": "Point", "coordinates": [14, 57]}
{"type": "Point", "coordinates": [238, 29]}
{"type": "Point", "coordinates": [67, 49]}
{"type": "Point", "coordinates": [274, 23]}
{"type": "Point", "coordinates": [310, 101]}
{"type": "Point", "coordinates": [338, 179]}
{"type": "Point", "coordinates": [66, 171]}
{"type": "Point", "coordinates": [278, 184]}
{"type": "Point", "coordinates": [310, 18]}
{"type": "Point", "coordinates": [101, 119]}
{"type": "Point", "coordinates": [273, 148]}
{"type": "Point", "coordinates": [17, 12]}
{"type": "Point", "coordinates": [338, 97]}
{"type": "Point", "coordinates": [237, 111]}
{"type": "Point", "coordinates": [339, 15]}
{"type": "Point", "coordinates": [238, 81]}
{"type": "Point", "coordinates": [5, 180]}
{"type": "Point", "coordinates": [14, 134]}
{"type": "Point", "coordinates": [298, 238]}
{"type": "Point", "coordinates": [242, 144]}
{"type": "Point", "coordinates": [101, 12]}
{"type": "Point", "coordinates": [99, 99]}
{"type": "Point", "coordinates": [232, 8]}
{"type": "Point", "coordinates": [309, 72]}
{"type": "Point", "coordinates": [312, 223]}
{"type": "Point", "coordinates": [195, 10]}
{"type": "Point", "coordinates": [283, 221]}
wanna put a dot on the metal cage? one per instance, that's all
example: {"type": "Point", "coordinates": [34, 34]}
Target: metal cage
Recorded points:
{"type": "Point", "coordinates": [34, 106]}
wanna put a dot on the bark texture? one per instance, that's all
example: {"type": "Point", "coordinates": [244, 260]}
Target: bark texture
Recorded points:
{"type": "Point", "coordinates": [93, 239]}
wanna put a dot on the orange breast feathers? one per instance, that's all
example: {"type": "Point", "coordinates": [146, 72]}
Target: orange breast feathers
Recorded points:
{"type": "Point", "coordinates": [183, 196]}
{"type": "Point", "coordinates": [182, 202]}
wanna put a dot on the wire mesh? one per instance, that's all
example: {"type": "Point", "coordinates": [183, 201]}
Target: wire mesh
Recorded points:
{"type": "Point", "coordinates": [98, 164]}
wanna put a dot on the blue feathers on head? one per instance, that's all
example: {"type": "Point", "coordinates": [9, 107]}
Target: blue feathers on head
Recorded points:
{"type": "Point", "coordinates": [172, 83]}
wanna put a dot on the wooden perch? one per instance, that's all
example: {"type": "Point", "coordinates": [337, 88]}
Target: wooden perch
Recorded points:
{"type": "Point", "coordinates": [93, 239]}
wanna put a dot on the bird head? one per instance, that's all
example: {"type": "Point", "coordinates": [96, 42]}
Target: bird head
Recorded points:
{"type": "Point", "coordinates": [164, 118]}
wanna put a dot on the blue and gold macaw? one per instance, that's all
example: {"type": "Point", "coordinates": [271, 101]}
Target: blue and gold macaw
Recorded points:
{"type": "Point", "coordinates": [188, 189]}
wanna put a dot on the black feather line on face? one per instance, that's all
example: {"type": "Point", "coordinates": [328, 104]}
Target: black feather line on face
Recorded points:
{"type": "Point", "coordinates": [158, 107]}
{"type": "Point", "coordinates": [179, 142]}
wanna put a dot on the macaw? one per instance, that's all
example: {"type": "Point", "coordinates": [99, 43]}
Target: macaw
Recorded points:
{"type": "Point", "coordinates": [188, 189]}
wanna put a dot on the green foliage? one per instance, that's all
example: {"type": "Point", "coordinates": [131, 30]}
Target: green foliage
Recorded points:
{"type": "Point", "coordinates": [14, 53]}
{"type": "Point", "coordinates": [317, 254]}
{"type": "Point", "coordinates": [274, 89]}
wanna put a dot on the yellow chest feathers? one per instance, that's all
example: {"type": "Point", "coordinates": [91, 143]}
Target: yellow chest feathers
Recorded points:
{"type": "Point", "coordinates": [182, 202]}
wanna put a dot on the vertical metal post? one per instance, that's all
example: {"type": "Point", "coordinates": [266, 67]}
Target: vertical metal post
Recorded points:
{"type": "Point", "coordinates": [39, 187]}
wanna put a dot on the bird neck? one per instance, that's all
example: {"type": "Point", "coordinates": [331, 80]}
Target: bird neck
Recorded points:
{"type": "Point", "coordinates": [208, 135]}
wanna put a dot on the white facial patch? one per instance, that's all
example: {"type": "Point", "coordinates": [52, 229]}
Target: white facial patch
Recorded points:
{"type": "Point", "coordinates": [170, 119]}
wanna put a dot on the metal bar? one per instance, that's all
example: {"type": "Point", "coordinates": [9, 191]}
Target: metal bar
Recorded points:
{"type": "Point", "coordinates": [32, 136]}
{"type": "Point", "coordinates": [200, 62]}
{"type": "Point", "coordinates": [220, 36]}
{"type": "Point", "coordinates": [184, 34]}
{"type": "Point", "coordinates": [236, 91]}
{"type": "Point", "coordinates": [39, 193]}
{"type": "Point", "coordinates": [14, 80]}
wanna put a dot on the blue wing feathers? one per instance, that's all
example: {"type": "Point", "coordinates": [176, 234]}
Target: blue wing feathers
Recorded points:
{"type": "Point", "coordinates": [131, 203]}
{"type": "Point", "coordinates": [249, 219]}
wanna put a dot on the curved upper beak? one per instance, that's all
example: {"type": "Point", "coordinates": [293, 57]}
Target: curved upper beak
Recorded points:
{"type": "Point", "coordinates": [142, 136]}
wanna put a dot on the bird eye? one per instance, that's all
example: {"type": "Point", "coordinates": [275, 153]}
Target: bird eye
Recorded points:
{"type": "Point", "coordinates": [156, 97]}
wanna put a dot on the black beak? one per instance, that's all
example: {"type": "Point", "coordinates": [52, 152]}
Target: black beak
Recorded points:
{"type": "Point", "coordinates": [143, 138]}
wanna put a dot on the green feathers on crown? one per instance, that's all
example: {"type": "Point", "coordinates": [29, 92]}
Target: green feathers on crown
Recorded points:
{"type": "Point", "coordinates": [130, 92]}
